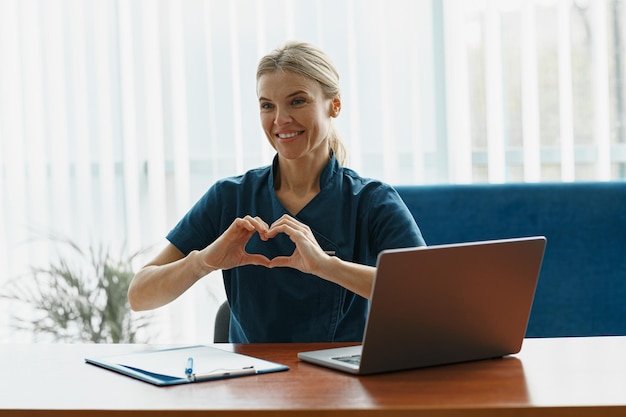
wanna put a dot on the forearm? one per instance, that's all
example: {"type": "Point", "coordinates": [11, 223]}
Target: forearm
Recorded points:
{"type": "Point", "coordinates": [352, 276]}
{"type": "Point", "coordinates": [157, 285]}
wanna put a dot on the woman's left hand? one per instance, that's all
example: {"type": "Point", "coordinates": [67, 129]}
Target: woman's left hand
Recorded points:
{"type": "Point", "coordinates": [308, 257]}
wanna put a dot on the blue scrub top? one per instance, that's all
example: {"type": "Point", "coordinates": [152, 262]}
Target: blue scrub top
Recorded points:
{"type": "Point", "coordinates": [353, 217]}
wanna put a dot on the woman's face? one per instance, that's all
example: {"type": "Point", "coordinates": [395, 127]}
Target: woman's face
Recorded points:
{"type": "Point", "coordinates": [295, 114]}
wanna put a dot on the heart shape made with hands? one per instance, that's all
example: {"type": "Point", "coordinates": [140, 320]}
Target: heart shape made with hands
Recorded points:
{"type": "Point", "coordinates": [279, 245]}
{"type": "Point", "coordinates": [279, 241]}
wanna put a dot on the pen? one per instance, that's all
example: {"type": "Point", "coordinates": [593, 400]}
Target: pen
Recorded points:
{"type": "Point", "coordinates": [221, 373]}
{"type": "Point", "coordinates": [189, 368]}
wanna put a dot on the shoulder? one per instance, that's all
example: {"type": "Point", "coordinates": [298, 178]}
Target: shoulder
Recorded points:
{"type": "Point", "coordinates": [390, 222]}
{"type": "Point", "coordinates": [360, 185]}
{"type": "Point", "coordinates": [376, 197]}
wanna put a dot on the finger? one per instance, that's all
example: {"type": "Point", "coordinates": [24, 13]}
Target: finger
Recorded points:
{"type": "Point", "coordinates": [293, 233]}
{"type": "Point", "coordinates": [258, 223]}
{"type": "Point", "coordinates": [262, 222]}
{"type": "Point", "coordinates": [262, 227]}
{"type": "Point", "coordinates": [286, 219]}
{"type": "Point", "coordinates": [289, 226]}
{"type": "Point", "coordinates": [255, 259]}
{"type": "Point", "coordinates": [281, 261]}
{"type": "Point", "coordinates": [245, 223]}
{"type": "Point", "coordinates": [253, 224]}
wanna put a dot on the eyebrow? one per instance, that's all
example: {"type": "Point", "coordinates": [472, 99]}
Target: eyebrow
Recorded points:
{"type": "Point", "coordinates": [295, 93]}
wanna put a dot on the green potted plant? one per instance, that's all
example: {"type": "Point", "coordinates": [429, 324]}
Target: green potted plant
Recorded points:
{"type": "Point", "coordinates": [81, 296]}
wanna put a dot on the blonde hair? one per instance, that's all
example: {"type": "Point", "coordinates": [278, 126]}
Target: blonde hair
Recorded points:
{"type": "Point", "coordinates": [308, 61]}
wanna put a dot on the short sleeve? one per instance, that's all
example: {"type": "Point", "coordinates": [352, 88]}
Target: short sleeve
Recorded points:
{"type": "Point", "coordinates": [197, 229]}
{"type": "Point", "coordinates": [392, 225]}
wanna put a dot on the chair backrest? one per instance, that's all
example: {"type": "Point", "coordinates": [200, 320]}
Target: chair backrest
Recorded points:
{"type": "Point", "coordinates": [222, 324]}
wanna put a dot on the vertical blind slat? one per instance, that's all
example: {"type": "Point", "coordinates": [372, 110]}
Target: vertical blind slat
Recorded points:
{"type": "Point", "coordinates": [416, 95]}
{"type": "Point", "coordinates": [56, 120]}
{"type": "Point", "coordinates": [13, 202]}
{"type": "Point", "coordinates": [105, 133]}
{"type": "Point", "coordinates": [565, 91]}
{"type": "Point", "coordinates": [211, 96]}
{"type": "Point", "coordinates": [153, 103]}
{"type": "Point", "coordinates": [34, 130]}
{"type": "Point", "coordinates": [128, 103]}
{"type": "Point", "coordinates": [530, 95]}
{"type": "Point", "coordinates": [457, 95]}
{"type": "Point", "coordinates": [352, 98]}
{"type": "Point", "coordinates": [80, 114]}
{"type": "Point", "coordinates": [494, 100]}
{"type": "Point", "coordinates": [180, 136]}
{"type": "Point", "coordinates": [387, 130]}
{"type": "Point", "coordinates": [601, 100]}
{"type": "Point", "coordinates": [236, 86]}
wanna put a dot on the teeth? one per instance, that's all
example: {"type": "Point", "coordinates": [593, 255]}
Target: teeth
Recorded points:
{"type": "Point", "coordinates": [288, 135]}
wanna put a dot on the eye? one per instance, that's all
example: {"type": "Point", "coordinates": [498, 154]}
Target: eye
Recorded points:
{"type": "Point", "coordinates": [266, 106]}
{"type": "Point", "coordinates": [298, 101]}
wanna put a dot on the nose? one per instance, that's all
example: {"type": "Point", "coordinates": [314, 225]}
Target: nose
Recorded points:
{"type": "Point", "coordinates": [282, 116]}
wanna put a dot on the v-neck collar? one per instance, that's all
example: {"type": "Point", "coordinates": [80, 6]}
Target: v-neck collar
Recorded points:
{"type": "Point", "coordinates": [326, 177]}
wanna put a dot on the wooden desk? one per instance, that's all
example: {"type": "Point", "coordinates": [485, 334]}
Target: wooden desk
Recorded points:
{"type": "Point", "coordinates": [550, 377]}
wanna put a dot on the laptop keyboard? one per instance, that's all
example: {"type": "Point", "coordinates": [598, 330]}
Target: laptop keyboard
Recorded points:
{"type": "Point", "coordinates": [352, 359]}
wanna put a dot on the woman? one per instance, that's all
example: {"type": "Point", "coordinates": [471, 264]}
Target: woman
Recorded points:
{"type": "Point", "coordinates": [296, 241]}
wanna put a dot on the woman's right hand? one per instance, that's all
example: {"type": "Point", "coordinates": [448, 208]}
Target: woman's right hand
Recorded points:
{"type": "Point", "coordinates": [229, 250]}
{"type": "Point", "coordinates": [170, 273]}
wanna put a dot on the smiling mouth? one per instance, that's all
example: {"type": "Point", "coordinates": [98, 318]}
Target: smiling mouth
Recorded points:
{"type": "Point", "coordinates": [289, 135]}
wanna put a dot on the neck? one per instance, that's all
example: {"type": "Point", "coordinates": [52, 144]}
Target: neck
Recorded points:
{"type": "Point", "coordinates": [300, 176]}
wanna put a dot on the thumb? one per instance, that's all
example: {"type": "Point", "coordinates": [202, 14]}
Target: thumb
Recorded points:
{"type": "Point", "coordinates": [280, 261]}
{"type": "Point", "coordinates": [256, 259]}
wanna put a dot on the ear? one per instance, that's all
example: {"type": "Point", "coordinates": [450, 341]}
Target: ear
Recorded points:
{"type": "Point", "coordinates": [336, 107]}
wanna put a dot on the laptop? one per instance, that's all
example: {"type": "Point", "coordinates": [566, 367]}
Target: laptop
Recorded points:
{"type": "Point", "coordinates": [444, 304]}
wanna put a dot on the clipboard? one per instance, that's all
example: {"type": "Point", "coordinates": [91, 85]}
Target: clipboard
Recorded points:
{"type": "Point", "coordinates": [184, 365]}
